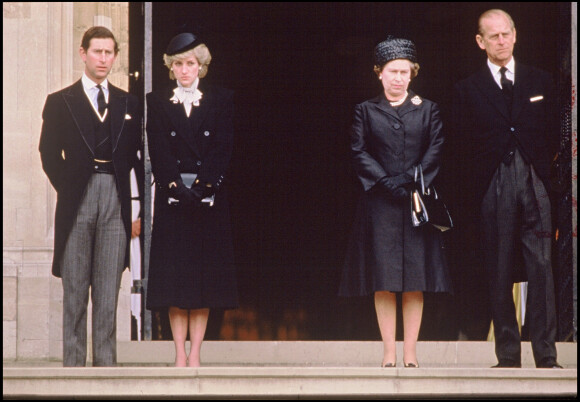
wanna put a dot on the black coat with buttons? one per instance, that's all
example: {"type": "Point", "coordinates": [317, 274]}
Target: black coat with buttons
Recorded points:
{"type": "Point", "coordinates": [191, 263]}
{"type": "Point", "coordinates": [385, 251]}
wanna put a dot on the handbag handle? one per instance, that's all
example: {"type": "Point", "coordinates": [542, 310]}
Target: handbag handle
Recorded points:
{"type": "Point", "coordinates": [419, 171]}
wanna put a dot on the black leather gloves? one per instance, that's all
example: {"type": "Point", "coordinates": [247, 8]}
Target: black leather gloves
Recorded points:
{"type": "Point", "coordinates": [401, 193]}
{"type": "Point", "coordinates": [181, 193]}
{"type": "Point", "coordinates": [396, 185]}
{"type": "Point", "coordinates": [190, 196]}
{"type": "Point", "coordinates": [391, 183]}
{"type": "Point", "coordinates": [200, 191]}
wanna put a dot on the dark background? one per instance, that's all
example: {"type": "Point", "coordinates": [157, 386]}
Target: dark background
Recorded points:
{"type": "Point", "coordinates": [297, 70]}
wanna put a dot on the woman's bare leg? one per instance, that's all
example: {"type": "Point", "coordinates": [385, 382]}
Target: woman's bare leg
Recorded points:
{"type": "Point", "coordinates": [386, 308]}
{"type": "Point", "coordinates": [178, 320]}
{"type": "Point", "coordinates": [197, 325]}
{"type": "Point", "coordinates": [412, 314]}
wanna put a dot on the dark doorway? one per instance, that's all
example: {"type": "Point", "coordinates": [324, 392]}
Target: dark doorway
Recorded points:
{"type": "Point", "coordinates": [297, 70]}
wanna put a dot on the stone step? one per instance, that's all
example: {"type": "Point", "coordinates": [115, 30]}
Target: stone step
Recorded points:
{"type": "Point", "coordinates": [331, 353]}
{"type": "Point", "coordinates": [292, 370]}
{"type": "Point", "coordinates": [286, 382]}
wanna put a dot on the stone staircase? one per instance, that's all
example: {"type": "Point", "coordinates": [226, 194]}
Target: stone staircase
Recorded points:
{"type": "Point", "coordinates": [297, 370]}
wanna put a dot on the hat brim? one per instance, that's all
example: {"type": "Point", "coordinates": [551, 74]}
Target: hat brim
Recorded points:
{"type": "Point", "coordinates": [182, 43]}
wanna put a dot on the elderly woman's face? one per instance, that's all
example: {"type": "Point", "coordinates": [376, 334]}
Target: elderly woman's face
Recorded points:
{"type": "Point", "coordinates": [186, 70]}
{"type": "Point", "coordinates": [396, 76]}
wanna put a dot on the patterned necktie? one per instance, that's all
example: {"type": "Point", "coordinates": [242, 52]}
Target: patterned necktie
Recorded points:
{"type": "Point", "coordinates": [507, 86]}
{"type": "Point", "coordinates": [102, 104]}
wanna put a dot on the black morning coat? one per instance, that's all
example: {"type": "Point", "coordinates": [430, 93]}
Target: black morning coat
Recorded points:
{"type": "Point", "coordinates": [191, 263]}
{"type": "Point", "coordinates": [484, 132]}
{"type": "Point", "coordinates": [67, 154]}
{"type": "Point", "coordinates": [385, 251]}
{"type": "Point", "coordinates": [482, 139]}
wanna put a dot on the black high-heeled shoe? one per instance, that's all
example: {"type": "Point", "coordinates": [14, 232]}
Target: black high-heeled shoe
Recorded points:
{"type": "Point", "coordinates": [411, 365]}
{"type": "Point", "coordinates": [389, 365]}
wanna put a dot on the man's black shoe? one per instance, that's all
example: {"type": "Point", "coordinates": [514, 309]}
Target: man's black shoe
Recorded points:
{"type": "Point", "coordinates": [551, 364]}
{"type": "Point", "coordinates": [507, 364]}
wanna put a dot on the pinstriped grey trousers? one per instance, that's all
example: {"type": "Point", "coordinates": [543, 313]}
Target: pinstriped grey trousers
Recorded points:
{"type": "Point", "coordinates": [93, 258]}
{"type": "Point", "coordinates": [516, 209]}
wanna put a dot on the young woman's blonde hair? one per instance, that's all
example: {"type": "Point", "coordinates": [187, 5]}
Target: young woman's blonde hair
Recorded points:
{"type": "Point", "coordinates": [200, 52]}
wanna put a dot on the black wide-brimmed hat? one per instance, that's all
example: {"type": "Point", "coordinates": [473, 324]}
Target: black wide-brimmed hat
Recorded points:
{"type": "Point", "coordinates": [182, 43]}
{"type": "Point", "coordinates": [395, 48]}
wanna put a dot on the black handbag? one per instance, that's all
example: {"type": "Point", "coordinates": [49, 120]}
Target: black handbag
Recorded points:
{"type": "Point", "coordinates": [427, 206]}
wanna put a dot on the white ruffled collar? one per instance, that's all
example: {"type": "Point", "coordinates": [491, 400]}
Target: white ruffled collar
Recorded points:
{"type": "Point", "coordinates": [187, 96]}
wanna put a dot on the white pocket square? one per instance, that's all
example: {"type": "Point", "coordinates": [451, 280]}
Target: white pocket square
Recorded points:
{"type": "Point", "coordinates": [127, 117]}
{"type": "Point", "coordinates": [536, 98]}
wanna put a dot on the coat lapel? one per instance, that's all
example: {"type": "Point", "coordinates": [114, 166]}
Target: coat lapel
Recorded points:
{"type": "Point", "coordinates": [521, 95]}
{"type": "Point", "coordinates": [118, 110]}
{"type": "Point", "coordinates": [80, 109]}
{"type": "Point", "coordinates": [487, 85]}
{"type": "Point", "coordinates": [385, 107]}
{"type": "Point", "coordinates": [199, 113]}
{"type": "Point", "coordinates": [408, 105]}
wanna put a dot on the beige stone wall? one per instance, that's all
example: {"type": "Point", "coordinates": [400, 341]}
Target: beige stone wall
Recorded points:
{"type": "Point", "coordinates": [40, 56]}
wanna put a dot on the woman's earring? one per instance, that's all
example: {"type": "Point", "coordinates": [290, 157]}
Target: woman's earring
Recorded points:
{"type": "Point", "coordinates": [380, 77]}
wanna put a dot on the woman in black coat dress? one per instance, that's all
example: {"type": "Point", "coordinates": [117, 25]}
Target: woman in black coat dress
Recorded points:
{"type": "Point", "coordinates": [190, 131]}
{"type": "Point", "coordinates": [391, 134]}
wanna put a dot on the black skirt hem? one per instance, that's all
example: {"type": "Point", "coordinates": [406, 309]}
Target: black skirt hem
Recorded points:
{"type": "Point", "coordinates": [218, 307]}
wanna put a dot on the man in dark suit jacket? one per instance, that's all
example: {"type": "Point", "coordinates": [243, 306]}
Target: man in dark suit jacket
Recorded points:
{"type": "Point", "coordinates": [504, 116]}
{"type": "Point", "coordinates": [91, 133]}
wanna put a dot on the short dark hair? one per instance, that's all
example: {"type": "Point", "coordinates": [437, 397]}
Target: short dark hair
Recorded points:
{"type": "Point", "coordinates": [98, 32]}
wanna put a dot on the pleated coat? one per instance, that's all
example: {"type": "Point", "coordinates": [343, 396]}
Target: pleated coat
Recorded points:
{"type": "Point", "coordinates": [385, 252]}
{"type": "Point", "coordinates": [191, 262]}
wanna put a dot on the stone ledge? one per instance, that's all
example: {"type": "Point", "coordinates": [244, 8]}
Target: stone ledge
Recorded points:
{"type": "Point", "coordinates": [290, 370]}
{"type": "Point", "coordinates": [286, 382]}
{"type": "Point", "coordinates": [331, 353]}
{"type": "Point", "coordinates": [468, 354]}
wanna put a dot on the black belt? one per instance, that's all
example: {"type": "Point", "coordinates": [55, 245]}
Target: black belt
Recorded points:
{"type": "Point", "coordinates": [101, 166]}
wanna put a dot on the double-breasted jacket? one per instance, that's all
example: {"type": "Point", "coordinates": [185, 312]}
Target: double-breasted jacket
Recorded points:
{"type": "Point", "coordinates": [191, 263]}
